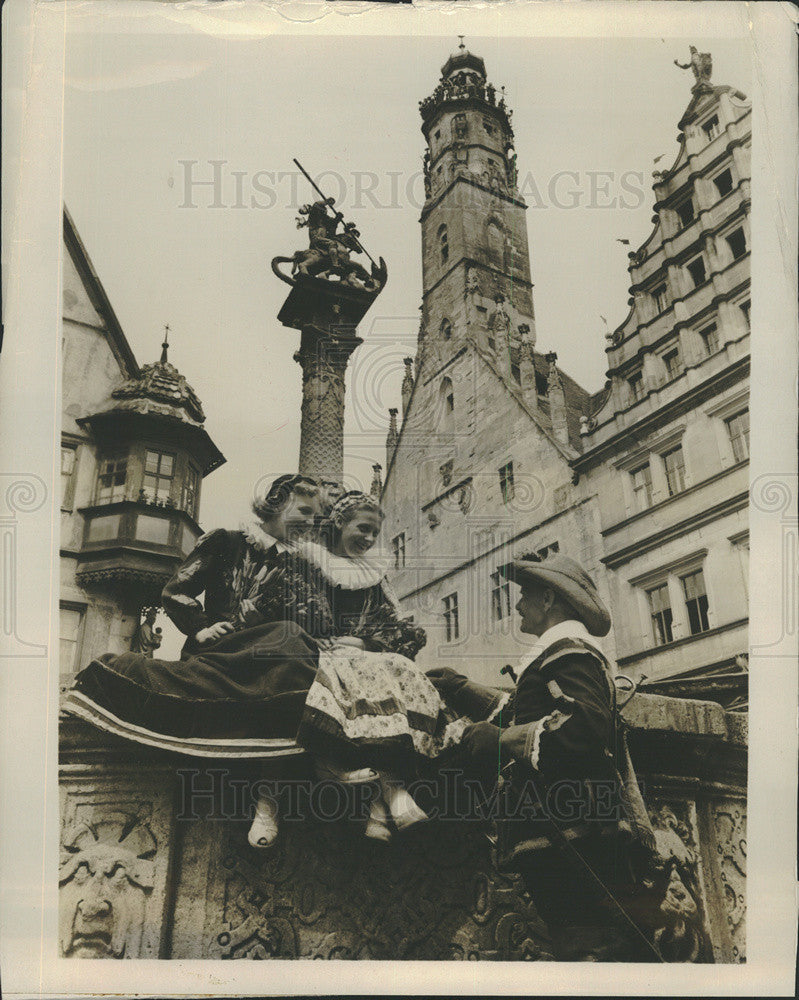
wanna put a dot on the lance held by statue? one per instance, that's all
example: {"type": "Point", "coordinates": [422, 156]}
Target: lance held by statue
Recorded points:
{"type": "Point", "coordinates": [571, 819]}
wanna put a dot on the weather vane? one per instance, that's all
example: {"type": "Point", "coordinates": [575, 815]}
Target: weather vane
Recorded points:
{"type": "Point", "coordinates": [165, 345]}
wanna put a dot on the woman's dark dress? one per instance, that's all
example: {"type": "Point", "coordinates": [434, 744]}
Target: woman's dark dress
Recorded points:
{"type": "Point", "coordinates": [242, 695]}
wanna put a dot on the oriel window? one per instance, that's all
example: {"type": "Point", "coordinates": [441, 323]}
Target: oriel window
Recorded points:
{"type": "Point", "coordinates": [190, 494]}
{"type": "Point", "coordinates": [660, 611]}
{"type": "Point", "coordinates": [696, 601]}
{"type": "Point", "coordinates": [111, 476]}
{"type": "Point", "coordinates": [159, 470]}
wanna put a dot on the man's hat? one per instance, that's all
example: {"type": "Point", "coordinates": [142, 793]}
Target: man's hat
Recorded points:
{"type": "Point", "coordinates": [568, 579]}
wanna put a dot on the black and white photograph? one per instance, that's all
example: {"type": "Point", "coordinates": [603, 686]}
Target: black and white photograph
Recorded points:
{"type": "Point", "coordinates": [396, 497]}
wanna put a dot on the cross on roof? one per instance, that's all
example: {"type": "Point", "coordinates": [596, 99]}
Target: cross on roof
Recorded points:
{"type": "Point", "coordinates": [165, 345]}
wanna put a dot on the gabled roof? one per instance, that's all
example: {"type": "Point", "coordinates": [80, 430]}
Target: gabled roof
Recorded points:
{"type": "Point", "coordinates": [94, 289]}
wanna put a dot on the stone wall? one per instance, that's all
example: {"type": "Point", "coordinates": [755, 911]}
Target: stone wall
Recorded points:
{"type": "Point", "coordinates": [142, 879]}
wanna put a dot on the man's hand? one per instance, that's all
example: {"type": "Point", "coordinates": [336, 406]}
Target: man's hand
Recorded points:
{"type": "Point", "coordinates": [212, 633]}
{"type": "Point", "coordinates": [481, 741]}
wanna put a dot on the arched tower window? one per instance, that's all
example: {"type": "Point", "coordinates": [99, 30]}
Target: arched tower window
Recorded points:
{"type": "Point", "coordinates": [495, 241]}
{"type": "Point", "coordinates": [447, 398]}
{"type": "Point", "coordinates": [445, 329]}
{"type": "Point", "coordinates": [460, 126]}
{"type": "Point", "coordinates": [443, 244]}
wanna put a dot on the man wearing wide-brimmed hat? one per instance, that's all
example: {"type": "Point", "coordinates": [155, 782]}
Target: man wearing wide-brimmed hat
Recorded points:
{"type": "Point", "coordinates": [568, 816]}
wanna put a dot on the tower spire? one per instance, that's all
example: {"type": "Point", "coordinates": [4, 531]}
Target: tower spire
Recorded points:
{"type": "Point", "coordinates": [165, 345]}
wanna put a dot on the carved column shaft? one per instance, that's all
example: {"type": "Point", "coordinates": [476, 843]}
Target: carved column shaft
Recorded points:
{"type": "Point", "coordinates": [323, 360]}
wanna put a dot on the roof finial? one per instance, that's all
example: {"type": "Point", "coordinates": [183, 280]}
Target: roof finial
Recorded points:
{"type": "Point", "coordinates": [462, 47]}
{"type": "Point", "coordinates": [165, 345]}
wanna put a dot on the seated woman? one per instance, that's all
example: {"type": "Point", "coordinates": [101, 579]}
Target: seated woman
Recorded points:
{"type": "Point", "coordinates": [240, 685]}
{"type": "Point", "coordinates": [369, 707]}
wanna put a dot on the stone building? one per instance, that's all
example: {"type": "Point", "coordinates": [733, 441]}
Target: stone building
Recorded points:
{"type": "Point", "coordinates": [645, 482]}
{"type": "Point", "coordinates": [134, 451]}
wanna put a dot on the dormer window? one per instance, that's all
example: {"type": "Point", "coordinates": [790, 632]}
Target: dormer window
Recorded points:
{"type": "Point", "coordinates": [636, 384]}
{"type": "Point", "coordinates": [673, 363]}
{"type": "Point", "coordinates": [711, 127]}
{"type": "Point", "coordinates": [723, 182]}
{"type": "Point", "coordinates": [685, 211]}
{"type": "Point", "coordinates": [736, 241]}
{"type": "Point", "coordinates": [661, 297]}
{"type": "Point", "coordinates": [696, 269]}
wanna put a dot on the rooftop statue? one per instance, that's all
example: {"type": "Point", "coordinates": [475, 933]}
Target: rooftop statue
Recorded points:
{"type": "Point", "coordinates": [701, 63]}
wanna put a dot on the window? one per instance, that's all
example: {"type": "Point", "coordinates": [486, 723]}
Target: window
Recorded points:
{"type": "Point", "coordinates": [451, 622]}
{"type": "Point", "coordinates": [438, 133]}
{"type": "Point", "coordinates": [516, 373]}
{"type": "Point", "coordinates": [673, 363]}
{"type": "Point", "coordinates": [398, 548]}
{"type": "Point", "coordinates": [459, 126]}
{"type": "Point", "coordinates": [159, 468]}
{"type": "Point", "coordinates": [660, 295]}
{"type": "Point", "coordinates": [636, 384]}
{"type": "Point", "coordinates": [500, 596]}
{"type": "Point", "coordinates": [190, 495]}
{"type": "Point", "coordinates": [738, 429]}
{"type": "Point", "coordinates": [736, 241]}
{"type": "Point", "coordinates": [642, 486]}
{"type": "Point", "coordinates": [695, 601]}
{"type": "Point", "coordinates": [685, 211]}
{"type": "Point", "coordinates": [488, 127]}
{"type": "Point", "coordinates": [111, 476]}
{"type": "Point", "coordinates": [69, 461]}
{"type": "Point", "coordinates": [506, 482]}
{"type": "Point", "coordinates": [675, 470]}
{"type": "Point", "coordinates": [711, 127]}
{"type": "Point", "coordinates": [660, 611]}
{"type": "Point", "coordinates": [70, 636]}
{"type": "Point", "coordinates": [696, 269]}
{"type": "Point", "coordinates": [495, 242]}
{"type": "Point", "coordinates": [710, 338]}
{"type": "Point", "coordinates": [723, 182]}
{"type": "Point", "coordinates": [443, 244]}
{"type": "Point", "coordinates": [446, 329]}
{"type": "Point", "coordinates": [745, 307]}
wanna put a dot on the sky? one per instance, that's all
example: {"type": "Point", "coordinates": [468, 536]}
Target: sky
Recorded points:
{"type": "Point", "coordinates": [146, 114]}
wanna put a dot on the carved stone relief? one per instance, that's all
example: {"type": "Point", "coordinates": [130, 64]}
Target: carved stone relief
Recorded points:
{"type": "Point", "coordinates": [328, 893]}
{"type": "Point", "coordinates": [113, 869]}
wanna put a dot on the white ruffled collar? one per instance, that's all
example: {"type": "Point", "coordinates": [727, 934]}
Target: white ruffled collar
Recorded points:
{"type": "Point", "coordinates": [349, 574]}
{"type": "Point", "coordinates": [571, 629]}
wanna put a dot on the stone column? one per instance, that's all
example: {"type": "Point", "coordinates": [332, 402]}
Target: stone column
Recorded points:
{"type": "Point", "coordinates": [323, 360]}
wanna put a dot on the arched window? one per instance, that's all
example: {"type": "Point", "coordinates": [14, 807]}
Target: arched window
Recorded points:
{"type": "Point", "coordinates": [443, 244]}
{"type": "Point", "coordinates": [447, 397]}
{"type": "Point", "coordinates": [495, 241]}
{"type": "Point", "coordinates": [445, 329]}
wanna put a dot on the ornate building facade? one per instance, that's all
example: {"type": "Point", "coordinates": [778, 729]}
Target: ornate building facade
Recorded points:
{"type": "Point", "coordinates": [134, 451]}
{"type": "Point", "coordinates": [646, 481]}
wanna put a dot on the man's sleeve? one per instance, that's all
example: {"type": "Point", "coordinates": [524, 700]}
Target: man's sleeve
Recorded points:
{"type": "Point", "coordinates": [579, 726]}
{"type": "Point", "coordinates": [179, 596]}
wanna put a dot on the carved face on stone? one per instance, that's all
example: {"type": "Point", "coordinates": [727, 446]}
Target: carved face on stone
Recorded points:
{"type": "Point", "coordinates": [104, 886]}
{"type": "Point", "coordinates": [671, 909]}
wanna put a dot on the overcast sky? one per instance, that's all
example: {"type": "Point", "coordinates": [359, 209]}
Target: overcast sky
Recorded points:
{"type": "Point", "coordinates": [138, 103]}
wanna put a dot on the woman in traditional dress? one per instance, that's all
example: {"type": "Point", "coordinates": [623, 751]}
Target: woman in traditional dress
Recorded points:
{"type": "Point", "coordinates": [249, 659]}
{"type": "Point", "coordinates": [370, 713]}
